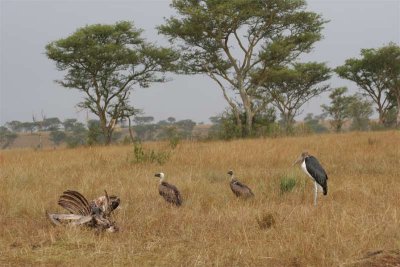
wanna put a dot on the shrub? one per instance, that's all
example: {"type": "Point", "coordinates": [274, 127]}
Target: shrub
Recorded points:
{"type": "Point", "coordinates": [6, 137]}
{"type": "Point", "coordinates": [142, 156]}
{"type": "Point", "coordinates": [174, 141]}
{"type": "Point", "coordinates": [127, 140]}
{"type": "Point", "coordinates": [57, 137]}
{"type": "Point", "coordinates": [95, 134]}
{"type": "Point", "coordinates": [287, 184]}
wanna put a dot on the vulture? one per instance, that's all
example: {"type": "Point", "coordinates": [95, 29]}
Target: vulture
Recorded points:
{"type": "Point", "coordinates": [95, 214]}
{"type": "Point", "coordinates": [238, 188]}
{"type": "Point", "coordinates": [315, 171]}
{"type": "Point", "coordinates": [168, 191]}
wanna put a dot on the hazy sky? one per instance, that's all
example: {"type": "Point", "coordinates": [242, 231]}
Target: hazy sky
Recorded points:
{"type": "Point", "coordinates": [27, 76]}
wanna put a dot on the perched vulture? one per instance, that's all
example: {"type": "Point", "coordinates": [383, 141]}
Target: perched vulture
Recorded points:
{"type": "Point", "coordinates": [168, 191]}
{"type": "Point", "coordinates": [95, 214]}
{"type": "Point", "coordinates": [239, 189]}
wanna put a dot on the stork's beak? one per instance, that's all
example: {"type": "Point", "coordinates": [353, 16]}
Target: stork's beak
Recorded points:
{"type": "Point", "coordinates": [157, 175]}
{"type": "Point", "coordinates": [298, 160]}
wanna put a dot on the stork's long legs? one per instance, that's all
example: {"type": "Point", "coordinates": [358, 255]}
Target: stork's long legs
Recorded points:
{"type": "Point", "coordinates": [315, 193]}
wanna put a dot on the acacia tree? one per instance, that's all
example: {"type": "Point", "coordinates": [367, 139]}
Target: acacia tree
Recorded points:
{"type": "Point", "coordinates": [105, 62]}
{"type": "Point", "coordinates": [14, 126]}
{"type": "Point", "coordinates": [57, 137]}
{"type": "Point", "coordinates": [359, 111]}
{"type": "Point", "coordinates": [69, 124]}
{"type": "Point", "coordinates": [229, 39]}
{"type": "Point", "coordinates": [51, 124]}
{"type": "Point", "coordinates": [339, 108]}
{"type": "Point", "coordinates": [289, 88]}
{"type": "Point", "coordinates": [377, 74]}
{"type": "Point", "coordinates": [391, 55]}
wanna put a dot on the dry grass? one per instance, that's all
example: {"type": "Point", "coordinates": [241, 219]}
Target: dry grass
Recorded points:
{"type": "Point", "coordinates": [360, 214]}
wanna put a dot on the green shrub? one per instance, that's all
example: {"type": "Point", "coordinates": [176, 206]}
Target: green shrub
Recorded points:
{"type": "Point", "coordinates": [143, 156]}
{"type": "Point", "coordinates": [174, 141]}
{"type": "Point", "coordinates": [126, 141]}
{"type": "Point", "coordinates": [287, 184]}
{"type": "Point", "coordinates": [57, 137]}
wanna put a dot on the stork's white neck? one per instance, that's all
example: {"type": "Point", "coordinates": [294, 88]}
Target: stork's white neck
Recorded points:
{"type": "Point", "coordinates": [304, 168]}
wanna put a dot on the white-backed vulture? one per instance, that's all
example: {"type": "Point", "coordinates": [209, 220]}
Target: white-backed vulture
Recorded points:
{"type": "Point", "coordinates": [168, 191]}
{"type": "Point", "coordinates": [239, 189]}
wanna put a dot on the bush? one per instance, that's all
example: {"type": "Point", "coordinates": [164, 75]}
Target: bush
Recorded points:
{"type": "Point", "coordinates": [127, 140]}
{"type": "Point", "coordinates": [143, 156]}
{"type": "Point", "coordinates": [376, 126]}
{"type": "Point", "coordinates": [57, 137]}
{"type": "Point", "coordinates": [6, 137]}
{"type": "Point", "coordinates": [287, 184]}
{"type": "Point", "coordinates": [225, 126]}
{"type": "Point", "coordinates": [174, 141]}
{"type": "Point", "coordinates": [77, 136]}
{"type": "Point", "coordinates": [95, 134]}
{"type": "Point", "coordinates": [313, 123]}
{"type": "Point", "coordinates": [74, 141]}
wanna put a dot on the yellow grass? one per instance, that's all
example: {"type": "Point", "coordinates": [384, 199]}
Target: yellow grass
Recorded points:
{"type": "Point", "coordinates": [361, 212]}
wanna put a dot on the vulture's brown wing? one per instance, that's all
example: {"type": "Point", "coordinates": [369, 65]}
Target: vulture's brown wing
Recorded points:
{"type": "Point", "coordinates": [246, 189]}
{"type": "Point", "coordinates": [170, 193]}
{"type": "Point", "coordinates": [240, 189]}
{"type": "Point", "coordinates": [75, 203]}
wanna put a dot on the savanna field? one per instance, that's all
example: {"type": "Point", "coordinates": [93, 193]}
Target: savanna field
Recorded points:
{"type": "Point", "coordinates": [360, 216]}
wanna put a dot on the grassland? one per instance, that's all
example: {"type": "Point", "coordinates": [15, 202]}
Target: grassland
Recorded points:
{"type": "Point", "coordinates": [360, 214]}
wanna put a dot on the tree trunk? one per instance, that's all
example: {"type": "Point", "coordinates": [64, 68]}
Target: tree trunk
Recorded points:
{"type": "Point", "coordinates": [108, 137]}
{"type": "Point", "coordinates": [381, 115]}
{"type": "Point", "coordinates": [110, 130]}
{"type": "Point", "coordinates": [398, 110]}
{"type": "Point", "coordinates": [40, 146]}
{"type": "Point", "coordinates": [288, 122]}
{"type": "Point", "coordinates": [239, 123]}
{"type": "Point", "coordinates": [249, 114]}
{"type": "Point", "coordinates": [249, 123]}
{"type": "Point", "coordinates": [337, 123]}
{"type": "Point", "coordinates": [130, 130]}
{"type": "Point", "coordinates": [107, 132]}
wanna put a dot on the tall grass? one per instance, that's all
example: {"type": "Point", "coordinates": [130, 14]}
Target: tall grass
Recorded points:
{"type": "Point", "coordinates": [361, 212]}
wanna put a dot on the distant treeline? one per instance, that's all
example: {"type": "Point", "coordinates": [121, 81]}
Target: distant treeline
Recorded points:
{"type": "Point", "coordinates": [74, 133]}
{"type": "Point", "coordinates": [345, 113]}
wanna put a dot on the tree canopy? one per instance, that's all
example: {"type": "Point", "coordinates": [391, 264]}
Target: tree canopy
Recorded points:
{"type": "Point", "coordinates": [289, 88]}
{"type": "Point", "coordinates": [391, 55]}
{"type": "Point", "coordinates": [339, 108]}
{"type": "Point", "coordinates": [105, 62]}
{"type": "Point", "coordinates": [342, 107]}
{"type": "Point", "coordinates": [377, 74]}
{"type": "Point", "coordinates": [235, 42]}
